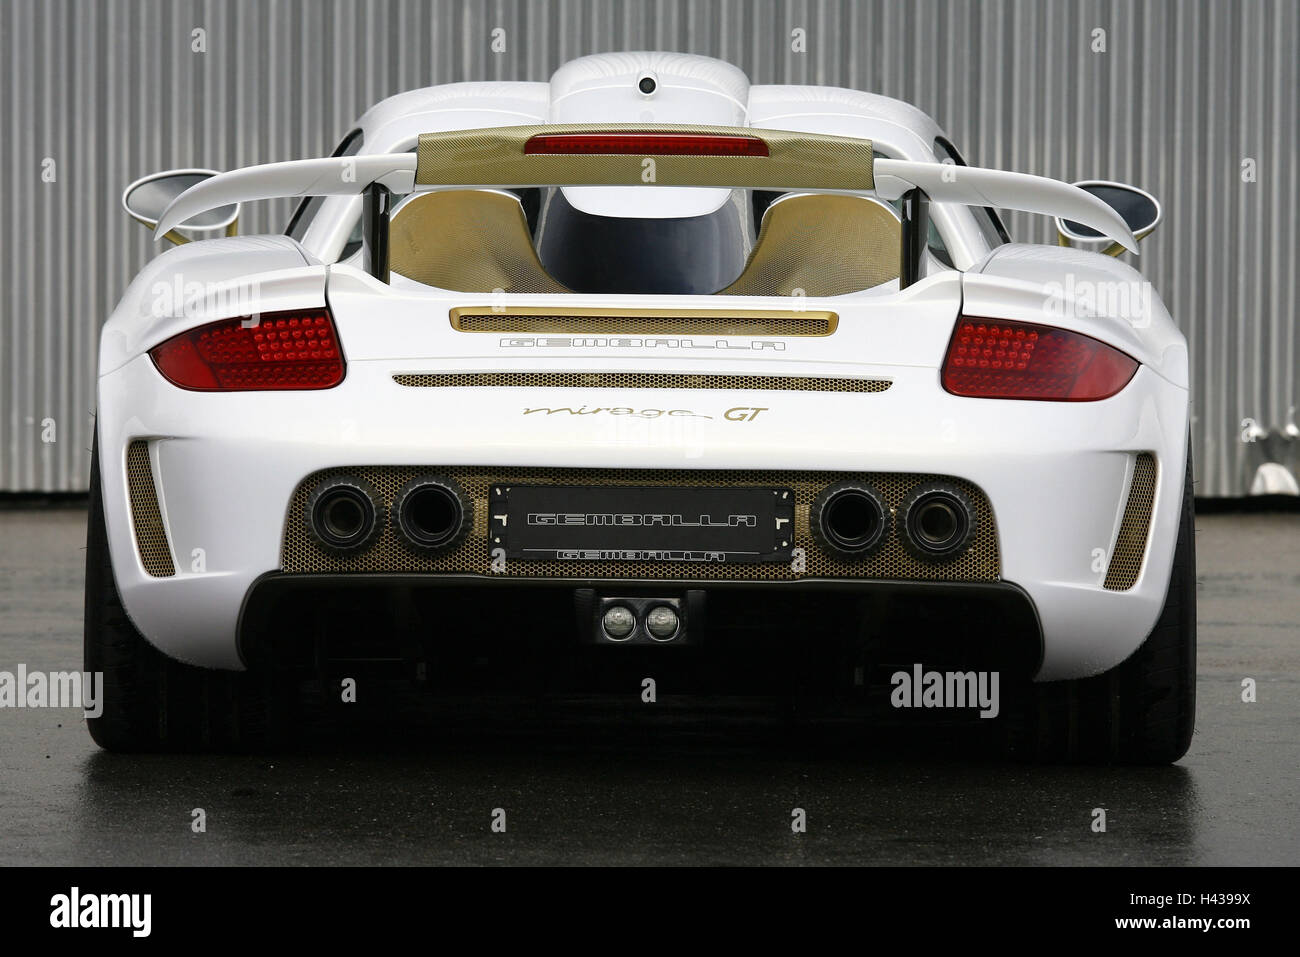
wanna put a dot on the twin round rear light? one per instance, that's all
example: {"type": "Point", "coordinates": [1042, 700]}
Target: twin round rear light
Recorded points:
{"type": "Point", "coordinates": [994, 359]}
{"type": "Point", "coordinates": [281, 350]}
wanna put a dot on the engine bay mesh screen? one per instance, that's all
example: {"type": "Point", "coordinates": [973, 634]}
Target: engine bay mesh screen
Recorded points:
{"type": "Point", "coordinates": [389, 553]}
{"type": "Point", "coordinates": [1131, 543]}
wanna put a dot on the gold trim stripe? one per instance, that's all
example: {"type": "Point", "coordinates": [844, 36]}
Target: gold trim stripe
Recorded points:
{"type": "Point", "coordinates": [495, 157]}
{"type": "Point", "coordinates": [707, 322]}
{"type": "Point", "coordinates": [634, 380]}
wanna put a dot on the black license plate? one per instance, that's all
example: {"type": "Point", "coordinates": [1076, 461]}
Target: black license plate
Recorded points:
{"type": "Point", "coordinates": [642, 523]}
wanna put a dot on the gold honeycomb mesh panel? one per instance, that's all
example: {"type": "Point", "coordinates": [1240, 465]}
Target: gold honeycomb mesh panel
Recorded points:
{"type": "Point", "coordinates": [980, 563]}
{"type": "Point", "coordinates": [714, 324]}
{"type": "Point", "coordinates": [633, 380]}
{"type": "Point", "coordinates": [150, 536]}
{"type": "Point", "coordinates": [1131, 543]}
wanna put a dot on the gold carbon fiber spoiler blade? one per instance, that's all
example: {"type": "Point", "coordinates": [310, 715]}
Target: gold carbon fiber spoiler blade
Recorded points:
{"type": "Point", "coordinates": [618, 154]}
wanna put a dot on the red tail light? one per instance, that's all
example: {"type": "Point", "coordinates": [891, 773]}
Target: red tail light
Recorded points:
{"type": "Point", "coordinates": [282, 350]}
{"type": "Point", "coordinates": [646, 144]}
{"type": "Point", "coordinates": [993, 359]}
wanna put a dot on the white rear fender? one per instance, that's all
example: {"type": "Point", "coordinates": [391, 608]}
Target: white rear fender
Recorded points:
{"type": "Point", "coordinates": [206, 281]}
{"type": "Point", "coordinates": [1083, 291]}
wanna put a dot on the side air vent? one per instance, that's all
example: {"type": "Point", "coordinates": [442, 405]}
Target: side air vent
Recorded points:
{"type": "Point", "coordinates": [150, 536]}
{"type": "Point", "coordinates": [1131, 544]}
{"type": "Point", "coordinates": [634, 380]}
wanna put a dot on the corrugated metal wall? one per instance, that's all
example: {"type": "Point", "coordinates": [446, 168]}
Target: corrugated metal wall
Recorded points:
{"type": "Point", "coordinates": [101, 91]}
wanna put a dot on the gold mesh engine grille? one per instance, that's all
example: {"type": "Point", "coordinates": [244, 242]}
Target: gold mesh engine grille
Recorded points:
{"type": "Point", "coordinates": [1131, 543]}
{"type": "Point", "coordinates": [634, 380]}
{"type": "Point", "coordinates": [647, 323]}
{"type": "Point", "coordinates": [150, 536]}
{"type": "Point", "coordinates": [980, 563]}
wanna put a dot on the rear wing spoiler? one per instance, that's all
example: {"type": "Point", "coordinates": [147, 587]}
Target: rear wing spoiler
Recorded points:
{"type": "Point", "coordinates": [513, 157]}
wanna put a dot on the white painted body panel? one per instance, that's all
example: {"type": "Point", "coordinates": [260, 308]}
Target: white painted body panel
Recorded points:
{"type": "Point", "coordinates": [689, 89]}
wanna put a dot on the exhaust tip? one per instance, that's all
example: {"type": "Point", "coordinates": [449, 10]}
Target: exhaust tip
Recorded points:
{"type": "Point", "coordinates": [663, 623]}
{"type": "Point", "coordinates": [618, 623]}
{"type": "Point", "coordinates": [432, 513]}
{"type": "Point", "coordinates": [939, 522]}
{"type": "Point", "coordinates": [850, 519]}
{"type": "Point", "coordinates": [344, 514]}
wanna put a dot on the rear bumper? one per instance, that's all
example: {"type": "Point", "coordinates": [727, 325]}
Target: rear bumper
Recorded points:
{"type": "Point", "coordinates": [734, 630]}
{"type": "Point", "coordinates": [1056, 475]}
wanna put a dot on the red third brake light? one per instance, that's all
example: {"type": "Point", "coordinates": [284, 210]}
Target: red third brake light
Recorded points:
{"type": "Point", "coordinates": [284, 350]}
{"type": "Point", "coordinates": [646, 144]}
{"type": "Point", "coordinates": [995, 359]}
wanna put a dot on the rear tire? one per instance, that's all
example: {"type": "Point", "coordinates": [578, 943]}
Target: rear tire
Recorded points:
{"type": "Point", "coordinates": [1143, 711]}
{"type": "Point", "coordinates": [151, 702]}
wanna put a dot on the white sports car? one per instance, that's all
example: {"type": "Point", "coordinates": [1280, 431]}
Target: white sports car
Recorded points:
{"type": "Point", "coordinates": [566, 375]}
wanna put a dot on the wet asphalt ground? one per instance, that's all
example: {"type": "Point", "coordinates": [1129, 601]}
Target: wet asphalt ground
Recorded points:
{"type": "Point", "coordinates": [665, 786]}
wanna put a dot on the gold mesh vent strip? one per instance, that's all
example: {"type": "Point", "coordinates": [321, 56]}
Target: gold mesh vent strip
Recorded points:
{"type": "Point", "coordinates": [150, 536]}
{"type": "Point", "coordinates": [1131, 543]}
{"type": "Point", "coordinates": [634, 380]}
{"type": "Point", "coordinates": [647, 323]}
{"type": "Point", "coordinates": [389, 554]}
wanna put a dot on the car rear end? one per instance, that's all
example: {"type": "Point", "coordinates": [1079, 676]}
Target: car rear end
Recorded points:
{"type": "Point", "coordinates": [523, 466]}
{"type": "Point", "coordinates": [941, 469]}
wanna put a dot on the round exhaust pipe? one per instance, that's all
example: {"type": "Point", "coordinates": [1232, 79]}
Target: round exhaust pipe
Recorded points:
{"type": "Point", "coordinates": [939, 522]}
{"type": "Point", "coordinates": [344, 514]}
{"type": "Point", "coordinates": [432, 514]}
{"type": "Point", "coordinates": [849, 519]}
{"type": "Point", "coordinates": [663, 623]}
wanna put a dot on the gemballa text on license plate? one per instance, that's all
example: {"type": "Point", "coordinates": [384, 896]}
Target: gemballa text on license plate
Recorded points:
{"type": "Point", "coordinates": [642, 523]}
